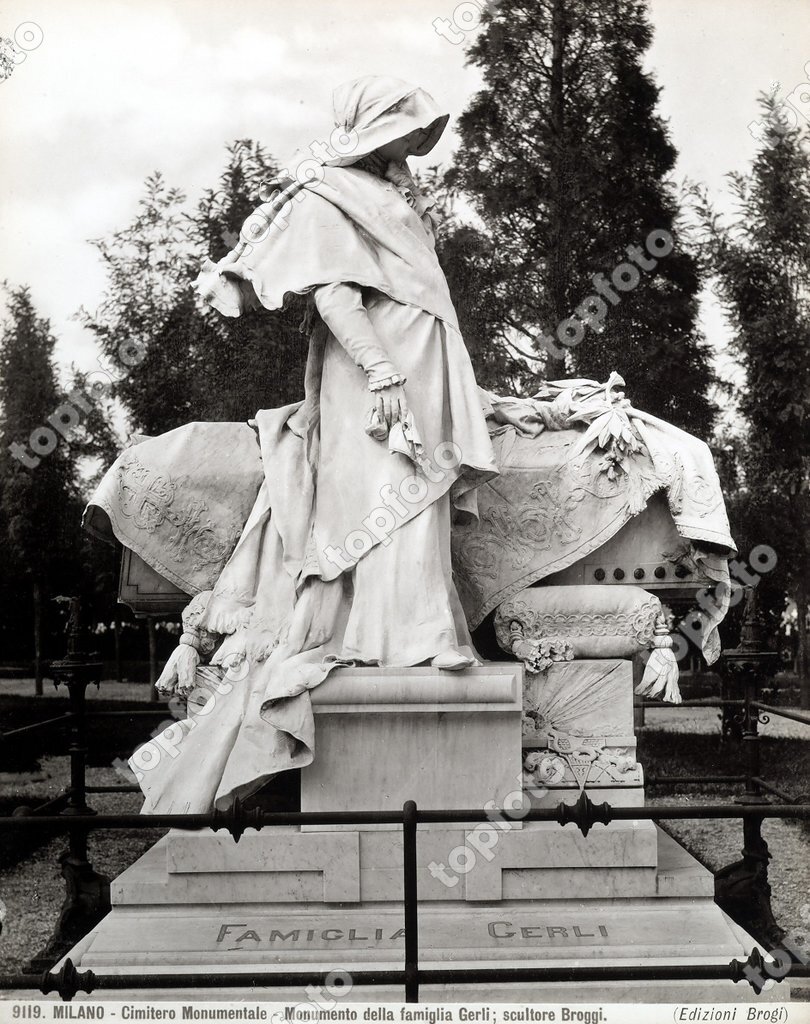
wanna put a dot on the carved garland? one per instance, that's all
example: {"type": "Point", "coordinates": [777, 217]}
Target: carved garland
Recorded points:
{"type": "Point", "coordinates": [560, 627]}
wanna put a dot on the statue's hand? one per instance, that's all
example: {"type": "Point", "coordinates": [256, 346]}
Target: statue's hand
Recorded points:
{"type": "Point", "coordinates": [179, 674]}
{"type": "Point", "coordinates": [391, 405]}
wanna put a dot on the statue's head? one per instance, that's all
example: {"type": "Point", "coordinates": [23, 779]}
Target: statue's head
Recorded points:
{"type": "Point", "coordinates": [386, 116]}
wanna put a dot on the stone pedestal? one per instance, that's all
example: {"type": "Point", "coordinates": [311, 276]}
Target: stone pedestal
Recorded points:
{"type": "Point", "coordinates": [446, 740]}
{"type": "Point", "coordinates": [545, 898]}
{"type": "Point", "coordinates": [165, 918]}
{"type": "Point", "coordinates": [507, 894]}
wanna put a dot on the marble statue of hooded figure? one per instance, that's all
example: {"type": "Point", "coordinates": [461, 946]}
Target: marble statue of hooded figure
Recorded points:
{"type": "Point", "coordinates": [346, 555]}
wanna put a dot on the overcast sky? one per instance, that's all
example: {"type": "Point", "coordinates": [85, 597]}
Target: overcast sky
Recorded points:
{"type": "Point", "coordinates": [116, 90]}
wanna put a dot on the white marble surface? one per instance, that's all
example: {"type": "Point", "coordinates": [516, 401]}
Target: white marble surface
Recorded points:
{"type": "Point", "coordinates": [515, 932]}
{"type": "Point", "coordinates": [540, 849]}
{"type": "Point", "coordinates": [627, 796]}
{"type": "Point", "coordinates": [288, 860]}
{"type": "Point", "coordinates": [592, 697]}
{"type": "Point", "coordinates": [496, 685]}
{"type": "Point", "coordinates": [587, 702]}
{"type": "Point", "coordinates": [444, 739]}
{"type": "Point", "coordinates": [548, 863]}
{"type": "Point", "coordinates": [596, 993]}
{"type": "Point", "coordinates": [228, 930]}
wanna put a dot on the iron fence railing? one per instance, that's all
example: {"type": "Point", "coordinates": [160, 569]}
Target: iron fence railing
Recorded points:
{"type": "Point", "coordinates": [87, 900]}
{"type": "Point", "coordinates": [584, 814]}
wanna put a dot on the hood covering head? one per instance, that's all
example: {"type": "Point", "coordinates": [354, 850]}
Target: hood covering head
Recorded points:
{"type": "Point", "coordinates": [343, 224]}
{"type": "Point", "coordinates": [376, 110]}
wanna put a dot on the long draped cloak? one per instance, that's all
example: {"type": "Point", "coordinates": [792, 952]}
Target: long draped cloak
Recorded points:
{"type": "Point", "coordinates": [346, 554]}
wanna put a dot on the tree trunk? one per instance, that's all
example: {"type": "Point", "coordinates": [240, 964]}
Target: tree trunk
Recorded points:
{"type": "Point", "coordinates": [37, 595]}
{"type": "Point", "coordinates": [153, 670]}
{"type": "Point", "coordinates": [557, 282]}
{"type": "Point", "coordinates": [799, 511]}
{"type": "Point", "coordinates": [802, 666]}
{"type": "Point", "coordinates": [117, 641]}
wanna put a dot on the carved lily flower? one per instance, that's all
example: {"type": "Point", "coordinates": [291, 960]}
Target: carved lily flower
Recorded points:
{"type": "Point", "coordinates": [612, 428]}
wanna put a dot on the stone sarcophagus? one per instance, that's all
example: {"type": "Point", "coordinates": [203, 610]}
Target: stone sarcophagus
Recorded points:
{"type": "Point", "coordinates": [576, 558]}
{"type": "Point", "coordinates": [646, 552]}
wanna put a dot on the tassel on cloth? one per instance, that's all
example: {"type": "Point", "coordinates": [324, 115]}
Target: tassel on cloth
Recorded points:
{"type": "Point", "coordinates": [661, 671]}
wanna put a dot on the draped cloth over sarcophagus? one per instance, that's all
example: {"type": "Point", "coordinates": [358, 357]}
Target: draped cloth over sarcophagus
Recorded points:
{"type": "Point", "coordinates": [556, 500]}
{"type": "Point", "coordinates": [578, 463]}
{"type": "Point", "coordinates": [180, 501]}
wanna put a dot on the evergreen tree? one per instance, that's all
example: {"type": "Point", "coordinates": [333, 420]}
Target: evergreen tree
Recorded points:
{"type": "Point", "coordinates": [762, 261]}
{"type": "Point", "coordinates": [467, 257]}
{"type": "Point", "coordinates": [40, 509]}
{"type": "Point", "coordinates": [178, 360]}
{"type": "Point", "coordinates": [146, 264]}
{"type": "Point", "coordinates": [565, 159]}
{"type": "Point", "coordinates": [94, 441]}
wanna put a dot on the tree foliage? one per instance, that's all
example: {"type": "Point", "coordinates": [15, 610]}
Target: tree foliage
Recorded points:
{"type": "Point", "coordinates": [567, 162]}
{"type": "Point", "coordinates": [40, 508]}
{"type": "Point", "coordinates": [36, 501]}
{"type": "Point", "coordinates": [467, 256]}
{"type": "Point", "coordinates": [761, 257]}
{"type": "Point", "coordinates": [177, 360]}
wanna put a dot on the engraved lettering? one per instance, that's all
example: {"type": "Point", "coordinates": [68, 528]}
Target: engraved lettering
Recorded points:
{"type": "Point", "coordinates": [498, 924]}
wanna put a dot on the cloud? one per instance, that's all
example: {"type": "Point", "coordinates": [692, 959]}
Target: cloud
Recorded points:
{"type": "Point", "coordinates": [119, 89]}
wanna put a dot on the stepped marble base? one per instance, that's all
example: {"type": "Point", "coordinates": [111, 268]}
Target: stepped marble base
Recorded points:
{"type": "Point", "coordinates": [201, 920]}
{"type": "Point", "coordinates": [509, 893]}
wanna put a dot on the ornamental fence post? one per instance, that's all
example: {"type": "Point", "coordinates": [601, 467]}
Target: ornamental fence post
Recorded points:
{"type": "Point", "coordinates": [742, 889]}
{"type": "Point", "coordinates": [87, 897]}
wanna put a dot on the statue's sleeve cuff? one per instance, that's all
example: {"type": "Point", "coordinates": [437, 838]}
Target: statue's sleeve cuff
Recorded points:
{"type": "Point", "coordinates": [225, 293]}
